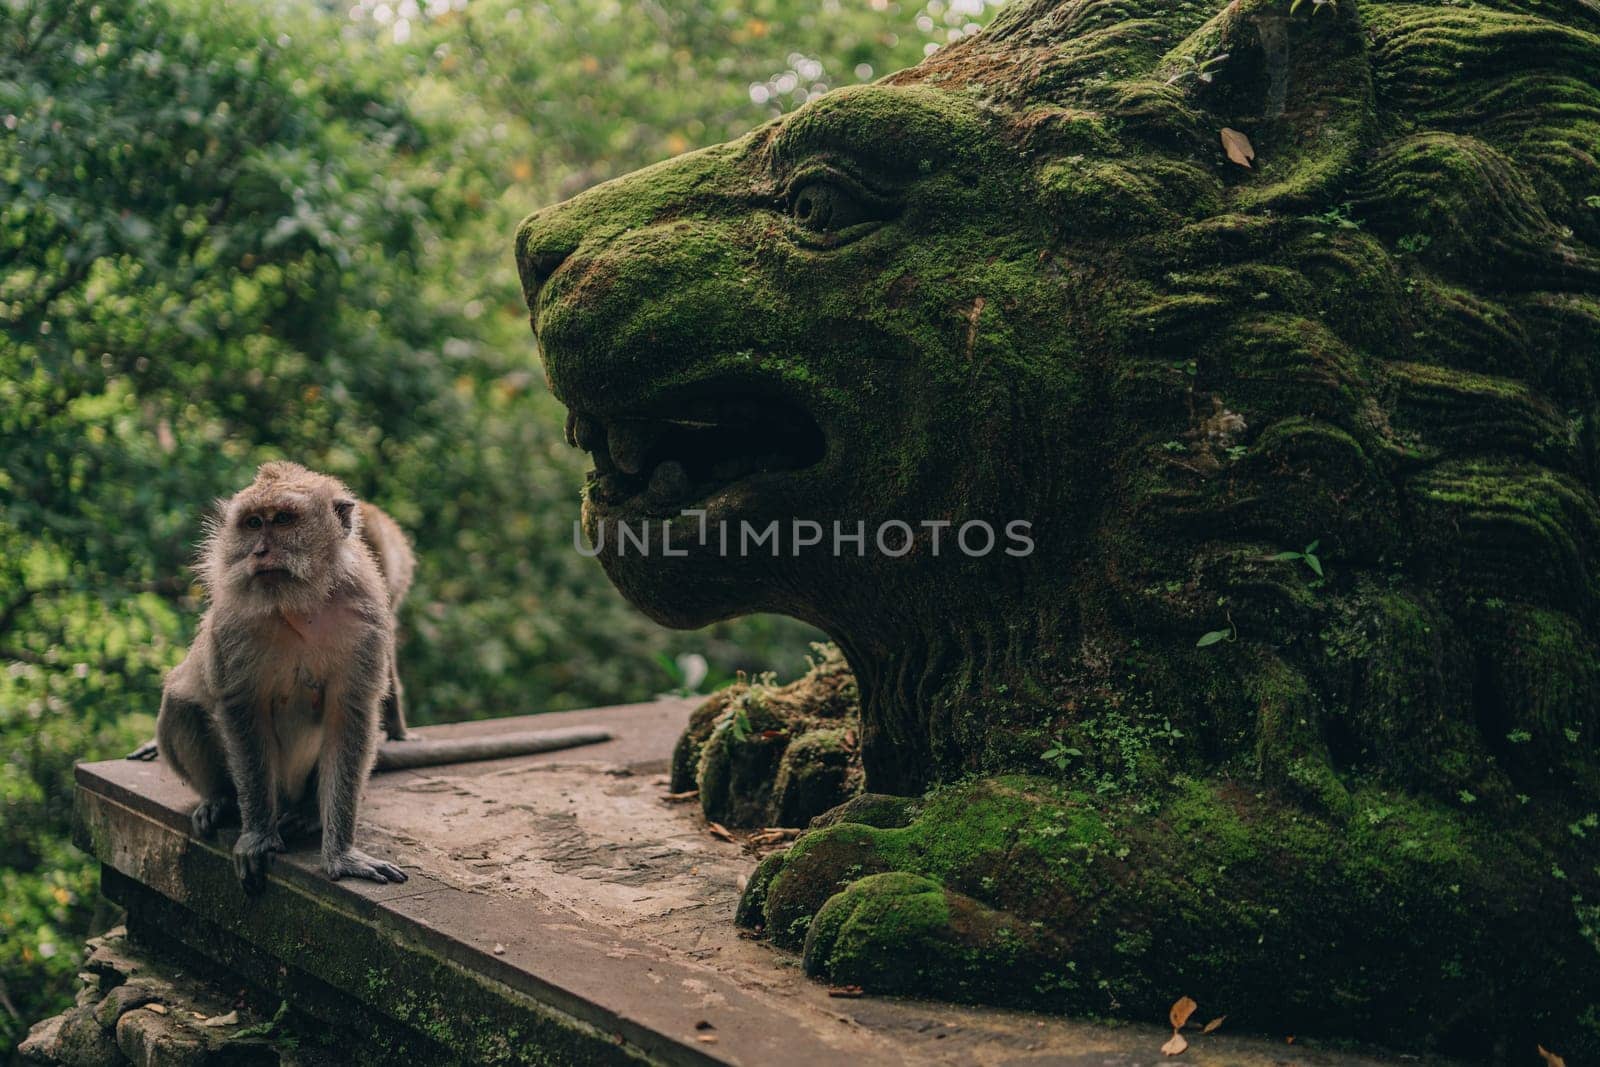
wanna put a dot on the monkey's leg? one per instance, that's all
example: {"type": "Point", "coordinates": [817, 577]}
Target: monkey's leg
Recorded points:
{"type": "Point", "coordinates": [394, 709]}
{"type": "Point", "coordinates": [300, 820]}
{"type": "Point", "coordinates": [185, 735]}
{"type": "Point", "coordinates": [349, 736]}
{"type": "Point", "coordinates": [250, 764]}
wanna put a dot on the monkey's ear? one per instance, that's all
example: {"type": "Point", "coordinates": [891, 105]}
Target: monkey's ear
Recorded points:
{"type": "Point", "coordinates": [344, 507]}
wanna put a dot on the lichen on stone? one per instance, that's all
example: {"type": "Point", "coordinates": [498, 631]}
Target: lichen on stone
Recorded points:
{"type": "Point", "coordinates": [1294, 703]}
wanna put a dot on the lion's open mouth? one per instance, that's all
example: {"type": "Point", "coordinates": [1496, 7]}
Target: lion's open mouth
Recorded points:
{"type": "Point", "coordinates": [701, 446]}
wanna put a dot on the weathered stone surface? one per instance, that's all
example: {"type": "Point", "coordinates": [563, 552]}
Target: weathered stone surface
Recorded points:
{"type": "Point", "coordinates": [83, 1042]}
{"type": "Point", "coordinates": [43, 1041]}
{"type": "Point", "coordinates": [134, 1006]}
{"type": "Point", "coordinates": [558, 912]}
{"type": "Point", "coordinates": [126, 997]}
{"type": "Point", "coordinates": [1289, 696]}
{"type": "Point", "coordinates": [151, 1040]}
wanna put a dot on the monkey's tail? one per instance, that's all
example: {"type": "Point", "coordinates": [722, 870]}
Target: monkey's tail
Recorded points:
{"type": "Point", "coordinates": [436, 751]}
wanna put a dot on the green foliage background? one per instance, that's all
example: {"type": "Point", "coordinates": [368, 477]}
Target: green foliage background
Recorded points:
{"type": "Point", "coordinates": [234, 231]}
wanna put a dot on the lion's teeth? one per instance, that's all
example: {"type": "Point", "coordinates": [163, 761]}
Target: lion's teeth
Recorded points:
{"type": "Point", "coordinates": [669, 482]}
{"type": "Point", "coordinates": [586, 433]}
{"type": "Point", "coordinates": [629, 441]}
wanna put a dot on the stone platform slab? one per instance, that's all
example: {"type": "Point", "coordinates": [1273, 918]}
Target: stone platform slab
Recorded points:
{"type": "Point", "coordinates": [558, 911]}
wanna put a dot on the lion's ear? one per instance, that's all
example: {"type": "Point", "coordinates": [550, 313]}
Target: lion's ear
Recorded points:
{"type": "Point", "coordinates": [1291, 76]}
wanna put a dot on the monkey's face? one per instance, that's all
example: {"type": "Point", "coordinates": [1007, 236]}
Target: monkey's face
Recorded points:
{"type": "Point", "coordinates": [282, 542]}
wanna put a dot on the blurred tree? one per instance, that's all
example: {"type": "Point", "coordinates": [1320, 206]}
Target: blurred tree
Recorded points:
{"type": "Point", "coordinates": [237, 231]}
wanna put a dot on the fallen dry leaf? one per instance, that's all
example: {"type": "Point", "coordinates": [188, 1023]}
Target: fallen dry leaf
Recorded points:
{"type": "Point", "coordinates": [221, 1020]}
{"type": "Point", "coordinates": [719, 830]}
{"type": "Point", "coordinates": [1211, 1027]}
{"type": "Point", "coordinates": [1182, 1008]}
{"type": "Point", "coordinates": [709, 1039]}
{"type": "Point", "coordinates": [1238, 147]}
{"type": "Point", "coordinates": [848, 992]}
{"type": "Point", "coordinates": [681, 798]}
{"type": "Point", "coordinates": [704, 1024]}
{"type": "Point", "coordinates": [1550, 1058]}
{"type": "Point", "coordinates": [159, 1009]}
{"type": "Point", "coordinates": [768, 735]}
{"type": "Point", "coordinates": [499, 949]}
{"type": "Point", "coordinates": [1175, 1045]}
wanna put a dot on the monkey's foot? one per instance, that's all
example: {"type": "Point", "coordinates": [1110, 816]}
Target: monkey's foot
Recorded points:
{"type": "Point", "coordinates": [357, 864]}
{"type": "Point", "coordinates": [252, 858]}
{"type": "Point", "coordinates": [404, 735]}
{"type": "Point", "coordinates": [210, 815]}
{"type": "Point", "coordinates": [145, 752]}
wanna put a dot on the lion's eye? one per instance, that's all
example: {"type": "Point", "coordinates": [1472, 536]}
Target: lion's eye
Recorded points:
{"type": "Point", "coordinates": [253, 523]}
{"type": "Point", "coordinates": [824, 206]}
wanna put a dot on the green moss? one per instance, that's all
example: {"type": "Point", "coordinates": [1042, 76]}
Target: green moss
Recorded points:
{"type": "Point", "coordinates": [1058, 300]}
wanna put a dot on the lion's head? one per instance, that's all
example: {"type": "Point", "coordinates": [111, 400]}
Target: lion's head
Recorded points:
{"type": "Point", "coordinates": [1279, 325]}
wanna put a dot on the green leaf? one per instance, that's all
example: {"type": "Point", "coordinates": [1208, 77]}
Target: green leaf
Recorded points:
{"type": "Point", "coordinates": [1314, 563]}
{"type": "Point", "coordinates": [1206, 640]}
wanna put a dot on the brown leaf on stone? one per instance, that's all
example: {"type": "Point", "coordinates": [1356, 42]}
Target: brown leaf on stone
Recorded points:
{"type": "Point", "coordinates": [1550, 1058]}
{"type": "Point", "coordinates": [681, 798]}
{"type": "Point", "coordinates": [768, 735]}
{"type": "Point", "coordinates": [708, 1039]}
{"type": "Point", "coordinates": [1212, 1026]}
{"type": "Point", "coordinates": [230, 1019]}
{"type": "Point", "coordinates": [1175, 1045]}
{"type": "Point", "coordinates": [719, 830]}
{"type": "Point", "coordinates": [159, 1009]}
{"type": "Point", "coordinates": [1182, 1008]}
{"type": "Point", "coordinates": [847, 992]}
{"type": "Point", "coordinates": [1238, 146]}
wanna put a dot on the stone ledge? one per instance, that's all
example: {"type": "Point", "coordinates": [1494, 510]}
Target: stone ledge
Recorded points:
{"type": "Point", "coordinates": [557, 912]}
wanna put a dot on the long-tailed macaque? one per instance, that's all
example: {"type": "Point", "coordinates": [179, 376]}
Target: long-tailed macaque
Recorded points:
{"type": "Point", "coordinates": [274, 713]}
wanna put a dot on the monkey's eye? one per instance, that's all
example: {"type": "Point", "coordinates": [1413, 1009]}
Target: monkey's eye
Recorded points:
{"type": "Point", "coordinates": [283, 518]}
{"type": "Point", "coordinates": [253, 523]}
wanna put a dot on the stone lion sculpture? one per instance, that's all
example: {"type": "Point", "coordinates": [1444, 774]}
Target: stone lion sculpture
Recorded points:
{"type": "Point", "coordinates": [1280, 327]}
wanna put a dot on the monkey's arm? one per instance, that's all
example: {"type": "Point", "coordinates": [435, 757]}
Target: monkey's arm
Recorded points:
{"type": "Point", "coordinates": [250, 767]}
{"type": "Point", "coordinates": [347, 753]}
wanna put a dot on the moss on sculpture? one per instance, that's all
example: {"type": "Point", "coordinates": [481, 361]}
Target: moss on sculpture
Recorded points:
{"type": "Point", "coordinates": [1294, 704]}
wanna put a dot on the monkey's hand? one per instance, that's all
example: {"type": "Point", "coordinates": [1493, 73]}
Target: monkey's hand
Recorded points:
{"type": "Point", "coordinates": [208, 815]}
{"type": "Point", "coordinates": [357, 864]}
{"type": "Point", "coordinates": [403, 735]}
{"type": "Point", "coordinates": [145, 752]}
{"type": "Point", "coordinates": [252, 858]}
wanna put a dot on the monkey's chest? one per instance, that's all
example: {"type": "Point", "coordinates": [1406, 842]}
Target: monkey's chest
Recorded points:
{"type": "Point", "coordinates": [299, 717]}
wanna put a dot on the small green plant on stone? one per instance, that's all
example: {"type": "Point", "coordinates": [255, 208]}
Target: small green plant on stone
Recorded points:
{"type": "Point", "coordinates": [1200, 70]}
{"type": "Point", "coordinates": [1308, 554]}
{"type": "Point", "coordinates": [1337, 216]}
{"type": "Point", "coordinates": [1060, 755]}
{"type": "Point", "coordinates": [1212, 637]}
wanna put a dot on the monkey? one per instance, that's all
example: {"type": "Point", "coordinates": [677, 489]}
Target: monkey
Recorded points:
{"type": "Point", "coordinates": [397, 565]}
{"type": "Point", "coordinates": [274, 713]}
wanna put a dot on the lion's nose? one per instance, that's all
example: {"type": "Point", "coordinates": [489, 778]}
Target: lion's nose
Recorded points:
{"type": "Point", "coordinates": [542, 264]}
